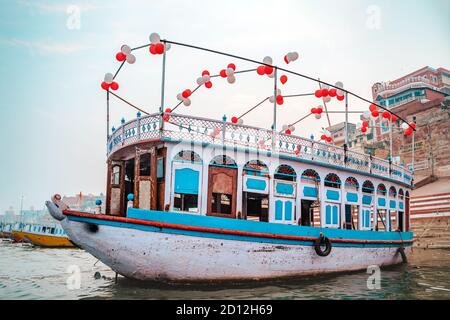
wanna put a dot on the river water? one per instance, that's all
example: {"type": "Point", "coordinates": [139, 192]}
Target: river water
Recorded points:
{"type": "Point", "coordinates": [35, 273]}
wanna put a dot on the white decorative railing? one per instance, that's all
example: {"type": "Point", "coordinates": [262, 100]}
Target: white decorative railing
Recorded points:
{"type": "Point", "coordinates": [208, 131]}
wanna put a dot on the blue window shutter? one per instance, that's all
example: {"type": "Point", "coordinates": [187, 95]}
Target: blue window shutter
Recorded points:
{"type": "Point", "coordinates": [288, 210]}
{"type": "Point", "coordinates": [278, 210]}
{"type": "Point", "coordinates": [186, 181]}
{"type": "Point", "coordinates": [328, 214]}
{"type": "Point", "coordinates": [335, 214]}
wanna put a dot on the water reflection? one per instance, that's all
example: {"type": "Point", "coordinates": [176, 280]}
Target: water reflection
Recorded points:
{"type": "Point", "coordinates": [33, 273]}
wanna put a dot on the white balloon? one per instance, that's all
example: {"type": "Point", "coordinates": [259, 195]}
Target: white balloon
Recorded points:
{"type": "Point", "coordinates": [271, 99]}
{"type": "Point", "coordinates": [206, 78]}
{"type": "Point", "coordinates": [180, 97]}
{"type": "Point", "coordinates": [240, 121]}
{"type": "Point", "coordinates": [125, 49]}
{"type": "Point", "coordinates": [167, 46]}
{"type": "Point", "coordinates": [278, 92]}
{"type": "Point", "coordinates": [200, 81]}
{"type": "Point", "coordinates": [339, 92]}
{"type": "Point", "coordinates": [339, 84]}
{"type": "Point", "coordinates": [292, 128]}
{"type": "Point", "coordinates": [131, 58]}
{"type": "Point", "coordinates": [109, 78]}
{"type": "Point", "coordinates": [294, 56]}
{"type": "Point", "coordinates": [268, 60]}
{"type": "Point", "coordinates": [272, 74]}
{"type": "Point", "coordinates": [285, 127]}
{"type": "Point", "coordinates": [231, 79]}
{"type": "Point", "coordinates": [326, 99]}
{"type": "Point", "coordinates": [405, 126]}
{"type": "Point", "coordinates": [154, 38]}
{"type": "Point", "coordinates": [318, 116]}
{"type": "Point", "coordinates": [229, 72]}
{"type": "Point", "coordinates": [187, 102]}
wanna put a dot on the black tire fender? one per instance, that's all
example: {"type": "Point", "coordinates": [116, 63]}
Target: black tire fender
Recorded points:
{"type": "Point", "coordinates": [320, 241]}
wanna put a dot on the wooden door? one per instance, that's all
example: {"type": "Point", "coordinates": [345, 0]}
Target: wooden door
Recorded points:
{"type": "Point", "coordinates": [222, 191]}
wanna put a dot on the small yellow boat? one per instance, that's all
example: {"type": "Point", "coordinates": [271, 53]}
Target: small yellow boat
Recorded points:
{"type": "Point", "coordinates": [43, 236]}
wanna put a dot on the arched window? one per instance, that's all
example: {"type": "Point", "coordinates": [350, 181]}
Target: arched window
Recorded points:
{"type": "Point", "coordinates": [223, 161]}
{"type": "Point", "coordinates": [310, 176]}
{"type": "Point", "coordinates": [381, 190]}
{"type": "Point", "coordinates": [285, 172]}
{"type": "Point", "coordinates": [400, 194]}
{"type": "Point", "coordinates": [351, 183]}
{"type": "Point", "coordinates": [368, 187]}
{"type": "Point", "coordinates": [187, 156]}
{"type": "Point", "coordinates": [332, 181]}
{"type": "Point", "coordinates": [256, 168]}
{"type": "Point", "coordinates": [392, 192]}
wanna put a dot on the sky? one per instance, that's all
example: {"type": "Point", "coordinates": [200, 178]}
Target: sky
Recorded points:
{"type": "Point", "coordinates": [54, 55]}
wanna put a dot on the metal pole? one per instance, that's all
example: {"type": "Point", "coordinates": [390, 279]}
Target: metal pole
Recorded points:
{"type": "Point", "coordinates": [413, 149]}
{"type": "Point", "coordinates": [346, 118]}
{"type": "Point", "coordinates": [274, 125]}
{"type": "Point", "coordinates": [161, 107]}
{"type": "Point", "coordinates": [107, 115]}
{"type": "Point", "coordinates": [390, 139]}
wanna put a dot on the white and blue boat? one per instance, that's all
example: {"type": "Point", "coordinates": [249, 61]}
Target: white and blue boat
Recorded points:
{"type": "Point", "coordinates": [195, 199]}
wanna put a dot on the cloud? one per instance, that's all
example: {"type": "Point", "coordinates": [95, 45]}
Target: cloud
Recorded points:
{"type": "Point", "coordinates": [45, 7]}
{"type": "Point", "coordinates": [47, 47]}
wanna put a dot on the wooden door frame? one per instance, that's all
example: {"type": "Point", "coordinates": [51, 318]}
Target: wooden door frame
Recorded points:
{"type": "Point", "coordinates": [225, 170]}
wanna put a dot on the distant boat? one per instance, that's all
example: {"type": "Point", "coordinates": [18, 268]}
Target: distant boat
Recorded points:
{"type": "Point", "coordinates": [6, 231]}
{"type": "Point", "coordinates": [42, 236]}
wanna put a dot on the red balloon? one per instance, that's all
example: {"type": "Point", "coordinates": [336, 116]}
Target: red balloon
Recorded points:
{"type": "Point", "coordinates": [329, 140]}
{"type": "Point", "coordinates": [204, 73]}
{"type": "Point", "coordinates": [365, 123]}
{"type": "Point", "coordinates": [364, 129]}
{"type": "Point", "coordinates": [319, 110]}
{"type": "Point", "coordinates": [114, 85]}
{"type": "Point", "coordinates": [340, 98]}
{"type": "Point", "coordinates": [105, 86]}
{"type": "Point", "coordinates": [168, 110]}
{"type": "Point", "coordinates": [413, 125]}
{"type": "Point", "coordinates": [386, 115]}
{"type": "Point", "coordinates": [393, 117]}
{"type": "Point", "coordinates": [324, 92]}
{"type": "Point", "coordinates": [260, 70]}
{"type": "Point", "coordinates": [375, 113]}
{"type": "Point", "coordinates": [372, 107]}
{"type": "Point", "coordinates": [208, 84]}
{"type": "Point", "coordinates": [408, 131]}
{"type": "Point", "coordinates": [166, 117]}
{"type": "Point", "coordinates": [288, 131]}
{"type": "Point", "coordinates": [234, 119]}
{"type": "Point", "coordinates": [318, 93]}
{"type": "Point", "coordinates": [232, 66]}
{"type": "Point", "coordinates": [280, 100]}
{"type": "Point", "coordinates": [313, 110]}
{"type": "Point", "coordinates": [268, 70]}
{"type": "Point", "coordinates": [120, 56]}
{"type": "Point", "coordinates": [332, 92]}
{"type": "Point", "coordinates": [283, 79]}
{"type": "Point", "coordinates": [159, 48]}
{"type": "Point", "coordinates": [223, 73]}
{"type": "Point", "coordinates": [286, 59]}
{"type": "Point", "coordinates": [323, 137]}
{"type": "Point", "coordinates": [152, 49]}
{"type": "Point", "coordinates": [186, 93]}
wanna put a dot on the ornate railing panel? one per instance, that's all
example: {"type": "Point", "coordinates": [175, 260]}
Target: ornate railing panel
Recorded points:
{"type": "Point", "coordinates": [202, 130]}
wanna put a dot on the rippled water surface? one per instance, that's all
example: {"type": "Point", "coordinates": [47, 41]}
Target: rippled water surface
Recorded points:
{"type": "Point", "coordinates": [34, 273]}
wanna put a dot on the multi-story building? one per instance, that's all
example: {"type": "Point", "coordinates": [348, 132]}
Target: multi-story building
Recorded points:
{"type": "Point", "coordinates": [337, 132]}
{"type": "Point", "coordinates": [83, 202]}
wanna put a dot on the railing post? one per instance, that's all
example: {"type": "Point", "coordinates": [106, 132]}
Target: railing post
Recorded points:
{"type": "Point", "coordinates": [139, 125]}
{"type": "Point", "coordinates": [224, 125]}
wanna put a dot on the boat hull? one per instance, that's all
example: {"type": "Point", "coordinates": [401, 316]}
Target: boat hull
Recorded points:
{"type": "Point", "coordinates": [42, 240]}
{"type": "Point", "coordinates": [152, 250]}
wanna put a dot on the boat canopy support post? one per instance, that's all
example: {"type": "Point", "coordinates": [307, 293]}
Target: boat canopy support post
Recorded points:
{"type": "Point", "coordinates": [107, 115]}
{"type": "Point", "coordinates": [274, 125]}
{"type": "Point", "coordinates": [390, 147]}
{"type": "Point", "coordinates": [346, 118]}
{"type": "Point", "coordinates": [161, 107]}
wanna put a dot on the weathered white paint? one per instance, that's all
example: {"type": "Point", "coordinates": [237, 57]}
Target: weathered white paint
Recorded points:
{"type": "Point", "coordinates": [160, 256]}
